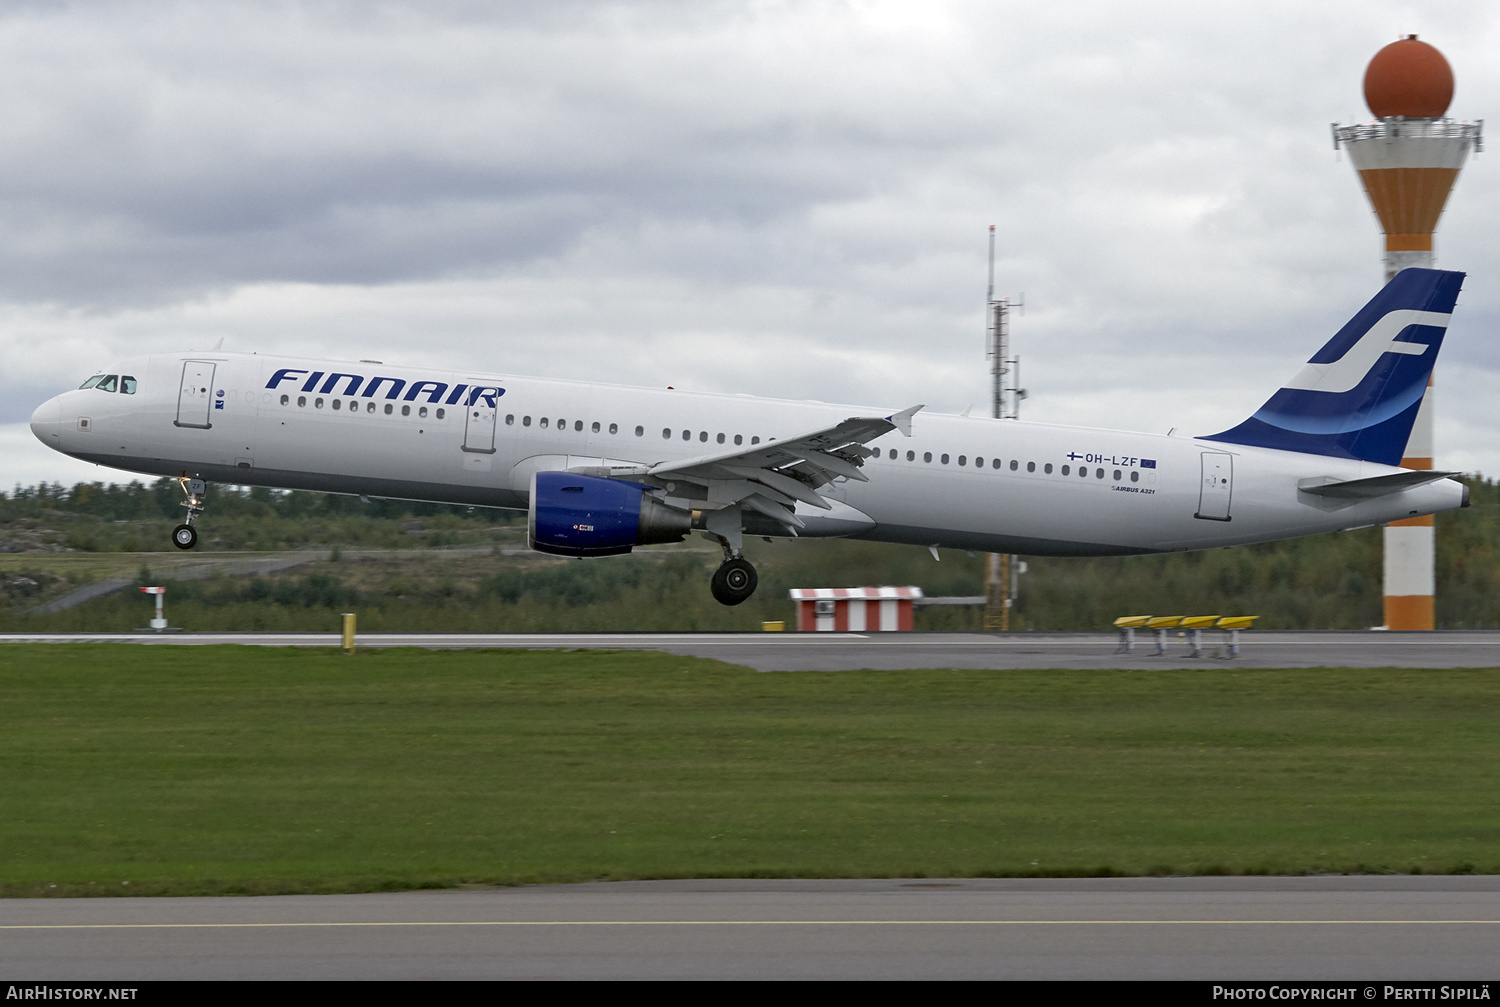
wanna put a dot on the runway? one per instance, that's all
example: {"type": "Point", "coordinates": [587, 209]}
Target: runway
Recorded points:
{"type": "Point", "coordinates": [894, 651]}
{"type": "Point", "coordinates": [1363, 929]}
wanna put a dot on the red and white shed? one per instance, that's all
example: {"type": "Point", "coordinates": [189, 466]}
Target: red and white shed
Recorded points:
{"type": "Point", "coordinates": [854, 609]}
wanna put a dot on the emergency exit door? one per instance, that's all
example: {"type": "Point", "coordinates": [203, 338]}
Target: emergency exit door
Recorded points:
{"type": "Point", "coordinates": [479, 427]}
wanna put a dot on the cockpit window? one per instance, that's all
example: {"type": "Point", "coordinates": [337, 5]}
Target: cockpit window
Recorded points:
{"type": "Point", "coordinates": [127, 384]}
{"type": "Point", "coordinates": [91, 382]}
{"type": "Point", "coordinates": [108, 384]}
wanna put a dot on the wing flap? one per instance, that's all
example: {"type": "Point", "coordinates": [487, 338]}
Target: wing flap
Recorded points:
{"type": "Point", "coordinates": [783, 472]}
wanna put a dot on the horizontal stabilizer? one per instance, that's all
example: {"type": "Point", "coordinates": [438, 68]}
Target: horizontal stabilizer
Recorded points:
{"type": "Point", "coordinates": [1376, 486]}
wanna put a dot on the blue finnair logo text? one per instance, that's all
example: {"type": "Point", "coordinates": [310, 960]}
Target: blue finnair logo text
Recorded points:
{"type": "Point", "coordinates": [431, 391]}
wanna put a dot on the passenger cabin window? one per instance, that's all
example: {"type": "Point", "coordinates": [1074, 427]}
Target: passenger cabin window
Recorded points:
{"type": "Point", "coordinates": [543, 422]}
{"type": "Point", "coordinates": [614, 428]}
{"type": "Point", "coordinates": [578, 427]}
{"type": "Point", "coordinates": [738, 440]}
{"type": "Point", "coordinates": [389, 409]}
{"type": "Point", "coordinates": [595, 427]}
{"type": "Point", "coordinates": [285, 399]}
{"type": "Point", "coordinates": [510, 419]}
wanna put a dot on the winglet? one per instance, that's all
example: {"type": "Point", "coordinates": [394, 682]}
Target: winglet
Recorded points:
{"type": "Point", "coordinates": [902, 420]}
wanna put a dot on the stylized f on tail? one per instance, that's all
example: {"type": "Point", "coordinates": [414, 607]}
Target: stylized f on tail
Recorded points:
{"type": "Point", "coordinates": [1358, 396]}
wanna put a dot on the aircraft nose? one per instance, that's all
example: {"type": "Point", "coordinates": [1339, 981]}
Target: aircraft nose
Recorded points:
{"type": "Point", "coordinates": [46, 422]}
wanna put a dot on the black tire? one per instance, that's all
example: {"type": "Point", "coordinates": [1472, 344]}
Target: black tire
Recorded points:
{"type": "Point", "coordinates": [734, 581]}
{"type": "Point", "coordinates": [184, 536]}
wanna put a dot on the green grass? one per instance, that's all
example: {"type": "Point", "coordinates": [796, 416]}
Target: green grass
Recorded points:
{"type": "Point", "coordinates": [223, 769]}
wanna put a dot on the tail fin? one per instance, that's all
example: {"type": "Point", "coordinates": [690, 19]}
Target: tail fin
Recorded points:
{"type": "Point", "coordinates": [1358, 396]}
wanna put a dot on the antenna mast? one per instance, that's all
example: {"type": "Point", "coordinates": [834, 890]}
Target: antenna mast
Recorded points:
{"type": "Point", "coordinates": [1005, 369]}
{"type": "Point", "coordinates": [1001, 569]}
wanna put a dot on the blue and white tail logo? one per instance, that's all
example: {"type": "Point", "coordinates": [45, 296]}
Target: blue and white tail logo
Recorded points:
{"type": "Point", "coordinates": [1358, 396]}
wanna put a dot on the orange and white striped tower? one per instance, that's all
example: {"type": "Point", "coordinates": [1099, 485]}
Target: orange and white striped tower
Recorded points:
{"type": "Point", "coordinates": [1408, 160]}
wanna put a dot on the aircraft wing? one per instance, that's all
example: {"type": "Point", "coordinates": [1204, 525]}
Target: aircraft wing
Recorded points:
{"type": "Point", "coordinates": [771, 478]}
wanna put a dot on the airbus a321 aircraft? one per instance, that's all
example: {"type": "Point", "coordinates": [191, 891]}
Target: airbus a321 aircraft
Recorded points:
{"type": "Point", "coordinates": [604, 468]}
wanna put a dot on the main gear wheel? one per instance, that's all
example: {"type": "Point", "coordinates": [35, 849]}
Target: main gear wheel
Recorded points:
{"type": "Point", "coordinates": [734, 581]}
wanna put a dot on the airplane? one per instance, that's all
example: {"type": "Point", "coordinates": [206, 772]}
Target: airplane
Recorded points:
{"type": "Point", "coordinates": [603, 468]}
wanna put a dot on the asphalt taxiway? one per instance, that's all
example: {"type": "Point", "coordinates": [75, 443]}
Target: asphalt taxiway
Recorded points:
{"type": "Point", "coordinates": [894, 651]}
{"type": "Point", "coordinates": [1363, 929]}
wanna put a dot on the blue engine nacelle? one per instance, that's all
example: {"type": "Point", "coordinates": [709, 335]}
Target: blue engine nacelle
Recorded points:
{"type": "Point", "coordinates": [576, 515]}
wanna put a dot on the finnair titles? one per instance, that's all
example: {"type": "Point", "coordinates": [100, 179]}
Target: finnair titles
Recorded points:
{"type": "Point", "coordinates": [603, 468]}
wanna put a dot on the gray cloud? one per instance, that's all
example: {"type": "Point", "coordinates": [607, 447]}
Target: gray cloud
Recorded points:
{"type": "Point", "coordinates": [780, 199]}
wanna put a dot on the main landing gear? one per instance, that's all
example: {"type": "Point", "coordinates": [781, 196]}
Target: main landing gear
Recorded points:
{"type": "Point", "coordinates": [185, 536]}
{"type": "Point", "coordinates": [734, 581]}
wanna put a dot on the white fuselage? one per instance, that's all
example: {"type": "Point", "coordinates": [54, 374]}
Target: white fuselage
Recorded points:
{"type": "Point", "coordinates": [268, 421]}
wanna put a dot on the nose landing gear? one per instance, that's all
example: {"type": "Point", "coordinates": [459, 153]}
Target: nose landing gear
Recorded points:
{"type": "Point", "coordinates": [185, 536]}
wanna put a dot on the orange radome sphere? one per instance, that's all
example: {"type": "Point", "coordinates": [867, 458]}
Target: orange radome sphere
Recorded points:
{"type": "Point", "coordinates": [1409, 78]}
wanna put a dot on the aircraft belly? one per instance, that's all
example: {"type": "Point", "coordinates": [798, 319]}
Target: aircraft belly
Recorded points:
{"type": "Point", "coordinates": [1039, 514]}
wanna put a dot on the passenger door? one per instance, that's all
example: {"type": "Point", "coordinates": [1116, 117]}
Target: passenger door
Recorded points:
{"type": "Point", "coordinates": [195, 395]}
{"type": "Point", "coordinates": [1217, 485]}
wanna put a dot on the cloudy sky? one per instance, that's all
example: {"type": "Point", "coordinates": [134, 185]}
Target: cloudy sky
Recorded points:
{"type": "Point", "coordinates": [786, 199]}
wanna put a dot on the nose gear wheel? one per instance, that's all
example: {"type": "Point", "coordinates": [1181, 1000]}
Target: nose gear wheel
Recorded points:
{"type": "Point", "coordinates": [185, 536]}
